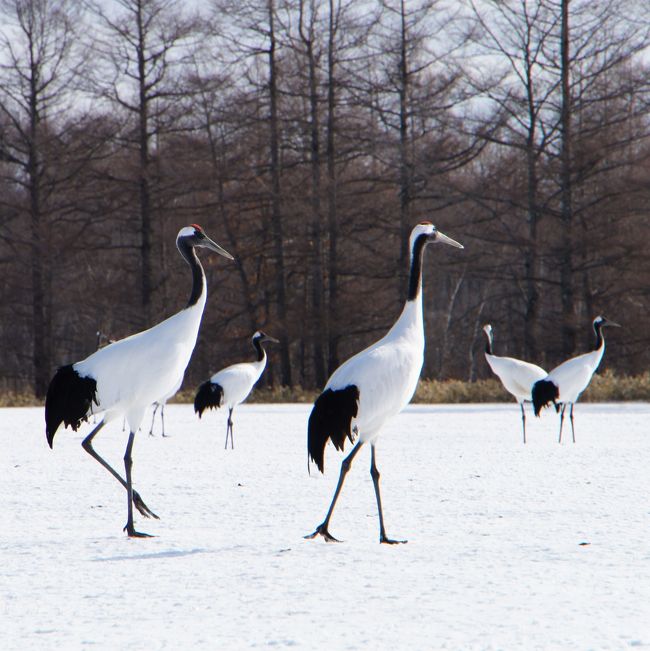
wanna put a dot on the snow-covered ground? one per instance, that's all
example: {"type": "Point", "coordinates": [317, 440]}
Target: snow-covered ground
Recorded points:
{"type": "Point", "coordinates": [542, 546]}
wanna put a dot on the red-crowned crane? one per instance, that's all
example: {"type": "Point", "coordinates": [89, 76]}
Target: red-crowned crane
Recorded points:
{"type": "Point", "coordinates": [125, 377]}
{"type": "Point", "coordinates": [374, 385]}
{"type": "Point", "coordinates": [516, 375]}
{"type": "Point", "coordinates": [160, 404]}
{"type": "Point", "coordinates": [564, 384]}
{"type": "Point", "coordinates": [230, 386]}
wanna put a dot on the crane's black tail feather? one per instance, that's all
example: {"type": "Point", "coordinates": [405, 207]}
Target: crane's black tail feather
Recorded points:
{"type": "Point", "coordinates": [544, 393]}
{"type": "Point", "coordinates": [69, 400]}
{"type": "Point", "coordinates": [331, 418]}
{"type": "Point", "coordinates": [209, 396]}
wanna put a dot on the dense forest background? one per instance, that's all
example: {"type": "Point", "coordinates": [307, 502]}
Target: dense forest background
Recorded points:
{"type": "Point", "coordinates": [307, 137]}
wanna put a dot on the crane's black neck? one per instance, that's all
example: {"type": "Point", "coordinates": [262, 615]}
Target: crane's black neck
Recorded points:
{"type": "Point", "coordinates": [415, 276]}
{"type": "Point", "coordinates": [600, 338]}
{"type": "Point", "coordinates": [488, 346]}
{"type": "Point", "coordinates": [198, 277]}
{"type": "Point", "coordinates": [257, 345]}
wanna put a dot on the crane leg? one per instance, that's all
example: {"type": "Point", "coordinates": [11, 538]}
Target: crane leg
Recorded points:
{"type": "Point", "coordinates": [573, 432]}
{"type": "Point", "coordinates": [162, 420]}
{"type": "Point", "coordinates": [128, 465]}
{"type": "Point", "coordinates": [322, 529]}
{"type": "Point", "coordinates": [87, 445]}
{"type": "Point", "coordinates": [523, 420]}
{"type": "Point", "coordinates": [561, 423]}
{"type": "Point", "coordinates": [153, 418]}
{"type": "Point", "coordinates": [229, 430]}
{"type": "Point", "coordinates": [374, 473]}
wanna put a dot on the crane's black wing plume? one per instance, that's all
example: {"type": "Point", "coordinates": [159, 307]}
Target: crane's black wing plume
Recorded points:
{"type": "Point", "coordinates": [69, 400]}
{"type": "Point", "coordinates": [544, 393]}
{"type": "Point", "coordinates": [209, 396]}
{"type": "Point", "coordinates": [331, 418]}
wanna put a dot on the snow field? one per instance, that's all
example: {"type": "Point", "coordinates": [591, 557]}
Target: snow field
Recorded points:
{"type": "Point", "coordinates": [495, 558]}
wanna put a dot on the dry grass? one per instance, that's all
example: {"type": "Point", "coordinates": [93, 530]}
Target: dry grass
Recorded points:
{"type": "Point", "coordinates": [606, 387]}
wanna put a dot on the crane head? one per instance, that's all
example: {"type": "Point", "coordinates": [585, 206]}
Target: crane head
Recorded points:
{"type": "Point", "coordinates": [262, 337]}
{"type": "Point", "coordinates": [601, 321]}
{"type": "Point", "coordinates": [432, 234]}
{"type": "Point", "coordinates": [195, 236]}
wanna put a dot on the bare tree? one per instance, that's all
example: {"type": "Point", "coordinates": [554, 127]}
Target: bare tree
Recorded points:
{"type": "Point", "coordinates": [142, 48]}
{"type": "Point", "coordinates": [38, 81]}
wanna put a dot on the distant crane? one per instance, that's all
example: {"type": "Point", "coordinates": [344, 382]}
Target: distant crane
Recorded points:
{"type": "Point", "coordinates": [564, 384]}
{"type": "Point", "coordinates": [230, 386]}
{"type": "Point", "coordinates": [125, 377]}
{"type": "Point", "coordinates": [516, 375]}
{"type": "Point", "coordinates": [160, 404]}
{"type": "Point", "coordinates": [374, 385]}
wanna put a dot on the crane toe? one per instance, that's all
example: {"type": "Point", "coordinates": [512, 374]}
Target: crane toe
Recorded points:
{"type": "Point", "coordinates": [322, 530]}
{"type": "Point", "coordinates": [142, 507]}
{"type": "Point", "coordinates": [132, 533]}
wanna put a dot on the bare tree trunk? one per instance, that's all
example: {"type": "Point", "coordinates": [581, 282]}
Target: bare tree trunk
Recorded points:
{"type": "Point", "coordinates": [41, 332]}
{"type": "Point", "coordinates": [276, 208]}
{"type": "Point", "coordinates": [566, 209]}
{"type": "Point", "coordinates": [41, 362]}
{"type": "Point", "coordinates": [146, 272]}
{"type": "Point", "coordinates": [319, 325]}
{"type": "Point", "coordinates": [405, 172]}
{"type": "Point", "coordinates": [530, 253]}
{"type": "Point", "coordinates": [332, 217]}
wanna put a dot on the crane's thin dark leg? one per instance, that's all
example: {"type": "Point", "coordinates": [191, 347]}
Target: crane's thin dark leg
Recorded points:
{"type": "Point", "coordinates": [374, 473]}
{"type": "Point", "coordinates": [561, 423]}
{"type": "Point", "coordinates": [229, 430]}
{"type": "Point", "coordinates": [523, 420]}
{"type": "Point", "coordinates": [153, 418]}
{"type": "Point", "coordinates": [322, 529]}
{"type": "Point", "coordinates": [87, 445]}
{"type": "Point", "coordinates": [573, 432]}
{"type": "Point", "coordinates": [162, 420]}
{"type": "Point", "coordinates": [128, 465]}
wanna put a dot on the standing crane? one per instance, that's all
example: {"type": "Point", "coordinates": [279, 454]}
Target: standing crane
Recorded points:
{"type": "Point", "coordinates": [516, 375]}
{"type": "Point", "coordinates": [564, 384]}
{"type": "Point", "coordinates": [374, 385]}
{"type": "Point", "coordinates": [125, 377]}
{"type": "Point", "coordinates": [160, 404]}
{"type": "Point", "coordinates": [231, 385]}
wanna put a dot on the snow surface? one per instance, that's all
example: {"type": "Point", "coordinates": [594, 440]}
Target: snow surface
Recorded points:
{"type": "Point", "coordinates": [542, 546]}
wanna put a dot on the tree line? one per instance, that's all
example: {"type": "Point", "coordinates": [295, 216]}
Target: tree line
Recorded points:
{"type": "Point", "coordinates": [307, 137]}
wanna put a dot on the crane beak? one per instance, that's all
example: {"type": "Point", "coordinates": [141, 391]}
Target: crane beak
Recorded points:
{"type": "Point", "coordinates": [607, 322]}
{"type": "Point", "coordinates": [213, 246]}
{"type": "Point", "coordinates": [273, 340]}
{"type": "Point", "coordinates": [443, 239]}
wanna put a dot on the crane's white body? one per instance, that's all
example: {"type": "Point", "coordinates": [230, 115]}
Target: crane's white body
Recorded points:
{"type": "Point", "coordinates": [516, 375]}
{"type": "Point", "coordinates": [152, 360]}
{"type": "Point", "coordinates": [374, 385]}
{"type": "Point", "coordinates": [564, 384]}
{"type": "Point", "coordinates": [238, 380]}
{"type": "Point", "coordinates": [573, 376]}
{"type": "Point", "coordinates": [125, 377]}
{"type": "Point", "coordinates": [231, 385]}
{"type": "Point", "coordinates": [386, 373]}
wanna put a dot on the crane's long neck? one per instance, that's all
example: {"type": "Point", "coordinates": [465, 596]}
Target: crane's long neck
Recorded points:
{"type": "Point", "coordinates": [261, 353]}
{"type": "Point", "coordinates": [600, 338]}
{"type": "Point", "coordinates": [411, 320]}
{"type": "Point", "coordinates": [198, 276]}
{"type": "Point", "coordinates": [415, 275]}
{"type": "Point", "coordinates": [488, 345]}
